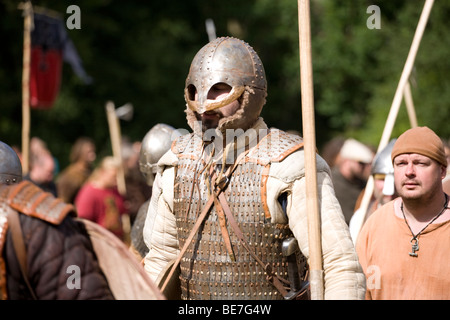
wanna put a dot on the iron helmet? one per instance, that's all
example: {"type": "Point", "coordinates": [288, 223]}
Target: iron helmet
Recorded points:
{"type": "Point", "coordinates": [10, 165]}
{"type": "Point", "coordinates": [382, 165]}
{"type": "Point", "coordinates": [233, 62]}
{"type": "Point", "coordinates": [155, 143]}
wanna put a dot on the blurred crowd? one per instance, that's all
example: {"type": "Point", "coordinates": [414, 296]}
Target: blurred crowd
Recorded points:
{"type": "Point", "coordinates": [91, 184]}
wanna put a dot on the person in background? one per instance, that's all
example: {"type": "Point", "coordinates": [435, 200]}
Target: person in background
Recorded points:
{"type": "Point", "coordinates": [446, 184]}
{"type": "Point", "coordinates": [99, 199]}
{"type": "Point", "coordinates": [383, 189]}
{"type": "Point", "coordinates": [403, 247]}
{"type": "Point", "coordinates": [446, 181]}
{"type": "Point", "coordinates": [155, 143]}
{"type": "Point", "coordinates": [137, 190]}
{"type": "Point", "coordinates": [447, 153]}
{"type": "Point", "coordinates": [330, 150]}
{"type": "Point", "coordinates": [42, 167]}
{"type": "Point", "coordinates": [350, 174]}
{"type": "Point", "coordinates": [82, 156]}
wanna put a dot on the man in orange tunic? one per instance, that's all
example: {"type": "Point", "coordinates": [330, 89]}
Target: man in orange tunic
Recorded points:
{"type": "Point", "coordinates": [404, 246]}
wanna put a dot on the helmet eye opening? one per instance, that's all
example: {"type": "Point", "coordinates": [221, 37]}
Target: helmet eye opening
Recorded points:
{"type": "Point", "coordinates": [191, 90]}
{"type": "Point", "coordinates": [218, 90]}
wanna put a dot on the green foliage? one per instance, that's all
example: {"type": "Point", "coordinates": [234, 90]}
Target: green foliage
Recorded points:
{"type": "Point", "coordinates": [140, 52]}
{"type": "Point", "coordinates": [429, 79]}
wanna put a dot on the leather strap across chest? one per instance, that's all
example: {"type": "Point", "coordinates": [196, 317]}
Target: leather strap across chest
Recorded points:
{"type": "Point", "coordinates": [217, 198]}
{"type": "Point", "coordinates": [199, 221]}
{"type": "Point", "coordinates": [269, 150]}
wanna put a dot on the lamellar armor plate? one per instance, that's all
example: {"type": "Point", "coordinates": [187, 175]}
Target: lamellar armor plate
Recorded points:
{"type": "Point", "coordinates": [27, 198]}
{"type": "Point", "coordinates": [207, 271]}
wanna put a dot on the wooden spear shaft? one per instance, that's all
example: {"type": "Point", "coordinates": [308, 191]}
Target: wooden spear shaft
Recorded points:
{"type": "Point", "coordinates": [114, 131]}
{"type": "Point", "coordinates": [116, 141]}
{"type": "Point", "coordinates": [393, 112]}
{"type": "Point", "coordinates": [410, 106]}
{"type": "Point", "coordinates": [28, 16]}
{"type": "Point", "coordinates": [406, 73]}
{"type": "Point", "coordinates": [307, 92]}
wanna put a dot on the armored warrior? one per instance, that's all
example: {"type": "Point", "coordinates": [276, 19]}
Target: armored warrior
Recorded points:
{"type": "Point", "coordinates": [227, 217]}
{"type": "Point", "coordinates": [155, 143]}
{"type": "Point", "coordinates": [34, 224]}
{"type": "Point", "coordinates": [46, 253]}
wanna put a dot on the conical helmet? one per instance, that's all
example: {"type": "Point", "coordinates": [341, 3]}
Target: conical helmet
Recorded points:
{"type": "Point", "coordinates": [10, 166]}
{"type": "Point", "coordinates": [233, 62]}
{"type": "Point", "coordinates": [155, 143]}
{"type": "Point", "coordinates": [382, 165]}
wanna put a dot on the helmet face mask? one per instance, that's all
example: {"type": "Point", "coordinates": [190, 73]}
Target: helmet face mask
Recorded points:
{"type": "Point", "coordinates": [209, 105]}
{"type": "Point", "coordinates": [227, 61]}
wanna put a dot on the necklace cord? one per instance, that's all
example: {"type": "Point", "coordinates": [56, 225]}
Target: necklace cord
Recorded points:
{"type": "Point", "coordinates": [437, 216]}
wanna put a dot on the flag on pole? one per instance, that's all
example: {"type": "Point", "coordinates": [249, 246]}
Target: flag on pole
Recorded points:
{"type": "Point", "coordinates": [50, 46]}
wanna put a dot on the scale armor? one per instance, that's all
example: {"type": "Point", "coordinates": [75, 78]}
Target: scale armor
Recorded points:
{"type": "Point", "coordinates": [207, 272]}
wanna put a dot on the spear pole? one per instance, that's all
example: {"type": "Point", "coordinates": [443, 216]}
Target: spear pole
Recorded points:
{"type": "Point", "coordinates": [116, 139]}
{"type": "Point", "coordinates": [410, 106]}
{"type": "Point", "coordinates": [312, 206]}
{"type": "Point", "coordinates": [27, 24]}
{"type": "Point", "coordinates": [406, 73]}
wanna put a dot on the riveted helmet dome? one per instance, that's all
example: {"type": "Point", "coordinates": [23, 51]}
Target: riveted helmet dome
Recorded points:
{"type": "Point", "coordinates": [382, 163]}
{"type": "Point", "coordinates": [10, 166]}
{"type": "Point", "coordinates": [154, 144]}
{"type": "Point", "coordinates": [233, 62]}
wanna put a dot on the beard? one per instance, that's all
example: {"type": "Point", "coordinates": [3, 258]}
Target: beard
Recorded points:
{"type": "Point", "coordinates": [418, 193]}
{"type": "Point", "coordinates": [208, 124]}
{"type": "Point", "coordinates": [209, 120]}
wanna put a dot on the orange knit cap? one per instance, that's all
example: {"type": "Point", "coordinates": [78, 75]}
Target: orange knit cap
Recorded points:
{"type": "Point", "coordinates": [421, 140]}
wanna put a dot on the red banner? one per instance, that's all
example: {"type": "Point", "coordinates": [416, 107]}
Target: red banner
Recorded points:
{"type": "Point", "coordinates": [45, 77]}
{"type": "Point", "coordinates": [50, 46]}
